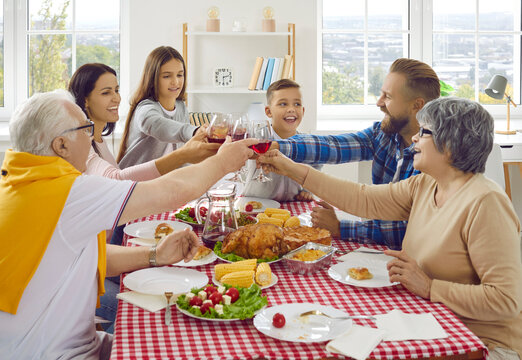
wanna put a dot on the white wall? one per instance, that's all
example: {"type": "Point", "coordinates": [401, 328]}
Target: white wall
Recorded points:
{"type": "Point", "coordinates": [159, 22]}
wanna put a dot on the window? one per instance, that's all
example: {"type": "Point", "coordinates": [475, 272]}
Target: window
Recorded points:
{"type": "Point", "coordinates": [65, 34]}
{"type": "Point", "coordinates": [474, 40]}
{"type": "Point", "coordinates": [52, 38]}
{"type": "Point", "coordinates": [466, 42]}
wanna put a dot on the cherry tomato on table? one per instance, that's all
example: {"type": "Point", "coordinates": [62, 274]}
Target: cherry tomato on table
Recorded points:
{"type": "Point", "coordinates": [278, 320]}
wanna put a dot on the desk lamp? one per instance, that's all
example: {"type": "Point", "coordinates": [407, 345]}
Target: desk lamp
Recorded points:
{"type": "Point", "coordinates": [497, 90]}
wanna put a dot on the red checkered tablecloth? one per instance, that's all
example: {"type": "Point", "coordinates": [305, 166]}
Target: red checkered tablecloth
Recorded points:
{"type": "Point", "coordinates": [142, 334]}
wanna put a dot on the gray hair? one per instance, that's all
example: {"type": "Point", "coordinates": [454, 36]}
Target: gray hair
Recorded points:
{"type": "Point", "coordinates": [463, 128]}
{"type": "Point", "coordinates": [39, 119]}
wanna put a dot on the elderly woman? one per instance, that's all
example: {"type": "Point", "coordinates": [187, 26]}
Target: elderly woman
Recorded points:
{"type": "Point", "coordinates": [462, 244]}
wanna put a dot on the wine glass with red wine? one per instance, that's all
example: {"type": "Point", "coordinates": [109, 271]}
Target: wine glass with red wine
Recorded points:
{"type": "Point", "coordinates": [238, 131]}
{"type": "Point", "coordinates": [218, 128]}
{"type": "Point", "coordinates": [261, 130]}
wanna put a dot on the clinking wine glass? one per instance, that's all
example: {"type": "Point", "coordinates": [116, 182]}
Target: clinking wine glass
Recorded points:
{"type": "Point", "coordinates": [261, 130]}
{"type": "Point", "coordinates": [218, 128]}
{"type": "Point", "coordinates": [238, 131]}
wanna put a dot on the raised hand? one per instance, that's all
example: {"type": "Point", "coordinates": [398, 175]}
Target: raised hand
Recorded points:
{"type": "Point", "coordinates": [235, 154]}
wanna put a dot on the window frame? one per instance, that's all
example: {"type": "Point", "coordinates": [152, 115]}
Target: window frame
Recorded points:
{"type": "Point", "coordinates": [16, 34]}
{"type": "Point", "coordinates": [419, 47]}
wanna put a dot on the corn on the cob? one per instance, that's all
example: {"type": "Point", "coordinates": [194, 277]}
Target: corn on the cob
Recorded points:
{"type": "Point", "coordinates": [223, 269]}
{"type": "Point", "coordinates": [239, 278]}
{"type": "Point", "coordinates": [263, 274]}
{"type": "Point", "coordinates": [293, 221]}
{"type": "Point", "coordinates": [283, 217]}
{"type": "Point", "coordinates": [262, 215]}
{"type": "Point", "coordinates": [271, 211]}
{"type": "Point", "coordinates": [270, 220]}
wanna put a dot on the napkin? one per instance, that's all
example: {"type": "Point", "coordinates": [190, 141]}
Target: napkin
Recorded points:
{"type": "Point", "coordinates": [358, 342]}
{"type": "Point", "coordinates": [151, 303]}
{"type": "Point", "coordinates": [401, 326]}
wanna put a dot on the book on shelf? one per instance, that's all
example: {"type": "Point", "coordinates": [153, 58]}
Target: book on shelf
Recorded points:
{"type": "Point", "coordinates": [280, 72]}
{"type": "Point", "coordinates": [287, 67]}
{"type": "Point", "coordinates": [255, 73]}
{"type": "Point", "coordinates": [268, 74]}
{"type": "Point", "coordinates": [261, 77]}
{"type": "Point", "coordinates": [275, 72]}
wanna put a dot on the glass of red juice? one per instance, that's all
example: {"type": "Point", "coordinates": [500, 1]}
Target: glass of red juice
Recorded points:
{"type": "Point", "coordinates": [218, 128]}
{"type": "Point", "coordinates": [261, 130]}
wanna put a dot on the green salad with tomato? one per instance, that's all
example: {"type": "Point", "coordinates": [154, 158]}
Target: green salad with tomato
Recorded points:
{"type": "Point", "coordinates": [243, 303]}
{"type": "Point", "coordinates": [188, 214]}
{"type": "Point", "coordinates": [233, 257]}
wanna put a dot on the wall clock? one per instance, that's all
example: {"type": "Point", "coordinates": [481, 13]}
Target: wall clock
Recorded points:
{"type": "Point", "coordinates": [223, 77]}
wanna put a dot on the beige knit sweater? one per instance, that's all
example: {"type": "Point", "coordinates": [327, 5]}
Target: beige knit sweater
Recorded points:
{"type": "Point", "coordinates": [470, 246]}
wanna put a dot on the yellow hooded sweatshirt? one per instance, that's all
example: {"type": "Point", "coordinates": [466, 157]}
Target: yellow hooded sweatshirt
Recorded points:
{"type": "Point", "coordinates": [33, 190]}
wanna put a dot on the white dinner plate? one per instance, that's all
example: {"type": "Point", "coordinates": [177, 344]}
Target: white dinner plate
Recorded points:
{"type": "Point", "coordinates": [306, 218]}
{"type": "Point", "coordinates": [267, 203]}
{"type": "Point", "coordinates": [147, 229]}
{"type": "Point", "coordinates": [272, 283]}
{"type": "Point", "coordinates": [156, 281]}
{"type": "Point", "coordinates": [209, 319]}
{"type": "Point", "coordinates": [210, 258]}
{"type": "Point", "coordinates": [308, 329]}
{"type": "Point", "coordinates": [375, 263]}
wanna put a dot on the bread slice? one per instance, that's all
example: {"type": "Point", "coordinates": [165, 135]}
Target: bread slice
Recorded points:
{"type": "Point", "coordinates": [360, 273]}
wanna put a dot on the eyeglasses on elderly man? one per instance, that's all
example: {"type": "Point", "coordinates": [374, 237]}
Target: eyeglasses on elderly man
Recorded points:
{"type": "Point", "coordinates": [88, 128]}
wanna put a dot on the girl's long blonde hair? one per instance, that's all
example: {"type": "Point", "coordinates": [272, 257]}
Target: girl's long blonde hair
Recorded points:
{"type": "Point", "coordinates": [148, 86]}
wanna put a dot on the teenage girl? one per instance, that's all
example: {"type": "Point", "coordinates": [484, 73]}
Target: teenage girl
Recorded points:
{"type": "Point", "coordinates": [158, 119]}
{"type": "Point", "coordinates": [96, 90]}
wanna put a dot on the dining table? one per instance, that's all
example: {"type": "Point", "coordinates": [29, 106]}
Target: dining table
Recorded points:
{"type": "Point", "coordinates": [140, 334]}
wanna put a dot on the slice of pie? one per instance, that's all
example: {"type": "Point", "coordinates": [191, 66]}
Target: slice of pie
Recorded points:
{"type": "Point", "coordinates": [360, 273]}
{"type": "Point", "coordinates": [202, 252]}
{"type": "Point", "coordinates": [299, 235]}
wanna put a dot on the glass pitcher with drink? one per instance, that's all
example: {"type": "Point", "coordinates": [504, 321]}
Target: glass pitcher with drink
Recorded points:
{"type": "Point", "coordinates": [221, 215]}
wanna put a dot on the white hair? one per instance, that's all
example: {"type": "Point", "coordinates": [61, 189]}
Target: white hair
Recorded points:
{"type": "Point", "coordinates": [41, 118]}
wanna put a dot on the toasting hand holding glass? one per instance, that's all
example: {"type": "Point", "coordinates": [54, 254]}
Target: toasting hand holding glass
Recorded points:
{"type": "Point", "coordinates": [239, 126]}
{"type": "Point", "coordinates": [218, 128]}
{"type": "Point", "coordinates": [261, 130]}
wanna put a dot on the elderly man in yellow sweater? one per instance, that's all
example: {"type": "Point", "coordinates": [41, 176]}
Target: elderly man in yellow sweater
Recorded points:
{"type": "Point", "coordinates": [462, 244]}
{"type": "Point", "coordinates": [52, 262]}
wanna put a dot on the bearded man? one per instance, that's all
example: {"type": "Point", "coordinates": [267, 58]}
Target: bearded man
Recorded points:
{"type": "Point", "coordinates": [408, 86]}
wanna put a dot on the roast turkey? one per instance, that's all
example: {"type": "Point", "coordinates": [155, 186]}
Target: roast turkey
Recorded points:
{"type": "Point", "coordinates": [261, 241]}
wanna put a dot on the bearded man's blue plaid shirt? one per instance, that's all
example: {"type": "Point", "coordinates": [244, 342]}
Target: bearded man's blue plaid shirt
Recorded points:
{"type": "Point", "coordinates": [369, 144]}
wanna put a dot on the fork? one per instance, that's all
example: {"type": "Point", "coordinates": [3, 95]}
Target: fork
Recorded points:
{"type": "Point", "coordinates": [168, 315]}
{"type": "Point", "coordinates": [317, 312]}
{"type": "Point", "coordinates": [341, 252]}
